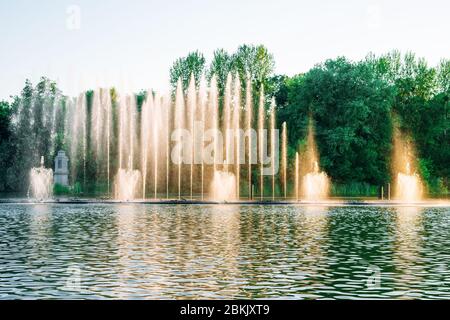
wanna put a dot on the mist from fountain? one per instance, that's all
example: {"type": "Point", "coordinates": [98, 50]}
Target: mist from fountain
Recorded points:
{"type": "Point", "coordinates": [126, 185]}
{"type": "Point", "coordinates": [315, 184]}
{"type": "Point", "coordinates": [223, 186]}
{"type": "Point", "coordinates": [41, 183]}
{"type": "Point", "coordinates": [408, 184]}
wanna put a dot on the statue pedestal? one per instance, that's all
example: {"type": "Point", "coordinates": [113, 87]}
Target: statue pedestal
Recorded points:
{"type": "Point", "coordinates": [61, 175]}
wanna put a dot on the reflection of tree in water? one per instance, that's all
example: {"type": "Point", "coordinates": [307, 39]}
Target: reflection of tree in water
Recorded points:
{"type": "Point", "coordinates": [358, 239]}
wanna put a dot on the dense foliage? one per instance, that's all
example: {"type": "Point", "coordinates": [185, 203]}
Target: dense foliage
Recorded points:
{"type": "Point", "coordinates": [354, 106]}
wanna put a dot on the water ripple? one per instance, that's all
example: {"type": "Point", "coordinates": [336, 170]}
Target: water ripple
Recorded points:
{"type": "Point", "coordinates": [215, 252]}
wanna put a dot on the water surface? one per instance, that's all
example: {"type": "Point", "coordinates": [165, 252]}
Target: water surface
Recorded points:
{"type": "Point", "coordinates": [210, 251]}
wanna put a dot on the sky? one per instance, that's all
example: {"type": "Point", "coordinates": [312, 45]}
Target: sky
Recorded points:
{"type": "Point", "coordinates": [132, 44]}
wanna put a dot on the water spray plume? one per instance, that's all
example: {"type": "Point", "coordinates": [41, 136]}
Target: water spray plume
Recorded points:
{"type": "Point", "coordinates": [315, 184]}
{"type": "Point", "coordinates": [41, 182]}
{"type": "Point", "coordinates": [408, 184]}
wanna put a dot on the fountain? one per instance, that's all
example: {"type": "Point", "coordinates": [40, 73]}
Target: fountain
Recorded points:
{"type": "Point", "coordinates": [41, 182]}
{"type": "Point", "coordinates": [121, 137]}
{"type": "Point", "coordinates": [223, 186]}
{"type": "Point", "coordinates": [408, 185]}
{"type": "Point", "coordinates": [315, 184]}
{"type": "Point", "coordinates": [126, 185]}
{"type": "Point", "coordinates": [249, 127]}
{"type": "Point", "coordinates": [261, 144]}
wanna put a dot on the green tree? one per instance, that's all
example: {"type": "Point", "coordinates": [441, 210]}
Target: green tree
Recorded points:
{"type": "Point", "coordinates": [221, 65]}
{"type": "Point", "coordinates": [255, 63]}
{"type": "Point", "coordinates": [183, 68]}
{"type": "Point", "coordinates": [5, 142]}
{"type": "Point", "coordinates": [350, 107]}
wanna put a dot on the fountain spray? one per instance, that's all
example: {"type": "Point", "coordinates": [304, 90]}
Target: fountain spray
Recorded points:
{"type": "Point", "coordinates": [261, 140]}
{"type": "Point", "coordinates": [249, 116]}
{"type": "Point", "coordinates": [272, 144]}
{"type": "Point", "coordinates": [284, 157]}
{"type": "Point", "coordinates": [191, 106]}
{"type": "Point", "coordinates": [236, 130]}
{"type": "Point", "coordinates": [179, 125]}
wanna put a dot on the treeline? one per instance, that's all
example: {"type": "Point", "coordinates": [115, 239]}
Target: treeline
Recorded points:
{"type": "Point", "coordinates": [354, 107]}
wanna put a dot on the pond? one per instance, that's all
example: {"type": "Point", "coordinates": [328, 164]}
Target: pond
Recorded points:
{"type": "Point", "coordinates": [149, 251]}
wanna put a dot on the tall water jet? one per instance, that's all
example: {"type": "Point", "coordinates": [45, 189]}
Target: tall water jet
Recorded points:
{"type": "Point", "coordinates": [157, 120]}
{"type": "Point", "coordinates": [126, 183]}
{"type": "Point", "coordinates": [272, 144]}
{"type": "Point", "coordinates": [226, 123]}
{"type": "Point", "coordinates": [202, 106]}
{"type": "Point", "coordinates": [214, 125]}
{"type": "Point", "coordinates": [100, 132]}
{"type": "Point", "coordinates": [236, 130]}
{"type": "Point", "coordinates": [167, 105]}
{"type": "Point", "coordinates": [249, 120]}
{"type": "Point", "coordinates": [261, 118]}
{"type": "Point", "coordinates": [191, 108]}
{"type": "Point", "coordinates": [97, 122]}
{"type": "Point", "coordinates": [106, 100]}
{"type": "Point", "coordinates": [41, 182]}
{"type": "Point", "coordinates": [179, 126]}
{"type": "Point", "coordinates": [145, 137]}
{"type": "Point", "coordinates": [315, 184]}
{"type": "Point", "coordinates": [284, 157]}
{"type": "Point", "coordinates": [79, 135]}
{"type": "Point", "coordinates": [408, 184]}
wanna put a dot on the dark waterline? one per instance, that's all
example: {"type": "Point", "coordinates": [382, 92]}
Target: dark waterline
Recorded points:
{"type": "Point", "coordinates": [216, 251]}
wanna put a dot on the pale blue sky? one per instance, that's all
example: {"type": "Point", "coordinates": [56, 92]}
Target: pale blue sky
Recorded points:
{"type": "Point", "coordinates": [132, 44]}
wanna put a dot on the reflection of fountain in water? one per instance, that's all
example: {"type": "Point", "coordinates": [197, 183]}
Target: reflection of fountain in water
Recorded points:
{"type": "Point", "coordinates": [223, 186]}
{"type": "Point", "coordinates": [41, 182]}
{"type": "Point", "coordinates": [408, 187]}
{"type": "Point", "coordinates": [407, 249]}
{"type": "Point", "coordinates": [315, 183]}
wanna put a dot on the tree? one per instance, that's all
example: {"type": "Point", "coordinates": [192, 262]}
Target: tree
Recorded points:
{"type": "Point", "coordinates": [5, 142]}
{"type": "Point", "coordinates": [183, 68]}
{"type": "Point", "coordinates": [350, 107]}
{"type": "Point", "coordinates": [221, 65]}
{"type": "Point", "coordinates": [255, 63]}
